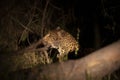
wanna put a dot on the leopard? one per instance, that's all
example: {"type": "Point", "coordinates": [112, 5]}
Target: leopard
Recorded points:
{"type": "Point", "coordinates": [61, 40]}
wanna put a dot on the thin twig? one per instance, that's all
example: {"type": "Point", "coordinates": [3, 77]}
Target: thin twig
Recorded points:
{"type": "Point", "coordinates": [44, 17]}
{"type": "Point", "coordinates": [21, 24]}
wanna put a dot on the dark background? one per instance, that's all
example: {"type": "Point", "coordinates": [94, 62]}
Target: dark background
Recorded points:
{"type": "Point", "coordinates": [98, 21]}
{"type": "Point", "coordinates": [93, 17]}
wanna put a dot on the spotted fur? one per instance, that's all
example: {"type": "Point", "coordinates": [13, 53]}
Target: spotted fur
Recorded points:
{"type": "Point", "coordinates": [62, 41]}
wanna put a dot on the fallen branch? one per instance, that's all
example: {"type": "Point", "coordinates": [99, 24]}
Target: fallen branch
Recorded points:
{"type": "Point", "coordinates": [92, 67]}
{"type": "Point", "coordinates": [96, 65]}
{"type": "Point", "coordinates": [33, 47]}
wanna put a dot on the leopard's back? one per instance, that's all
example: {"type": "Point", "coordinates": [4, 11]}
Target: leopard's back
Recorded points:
{"type": "Point", "coordinates": [62, 41]}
